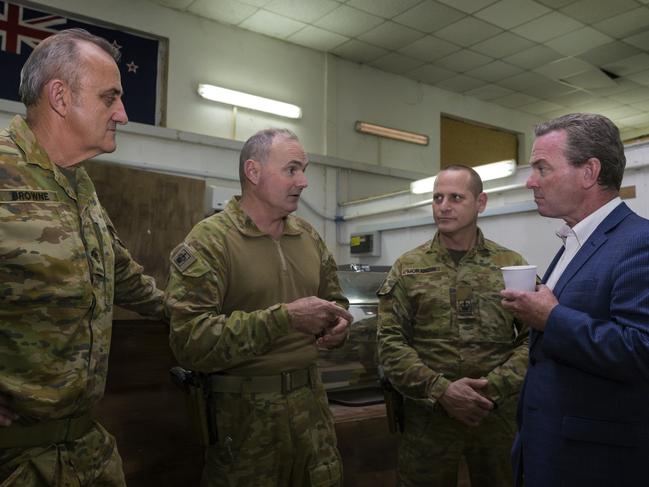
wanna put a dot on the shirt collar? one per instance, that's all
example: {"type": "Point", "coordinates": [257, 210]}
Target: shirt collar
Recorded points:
{"type": "Point", "coordinates": [247, 227]}
{"type": "Point", "coordinates": [587, 226]}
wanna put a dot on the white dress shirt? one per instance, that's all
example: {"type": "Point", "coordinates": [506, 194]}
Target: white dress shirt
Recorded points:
{"type": "Point", "coordinates": [573, 238]}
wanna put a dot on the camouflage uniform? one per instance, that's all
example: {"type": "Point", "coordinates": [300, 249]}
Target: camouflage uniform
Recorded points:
{"type": "Point", "coordinates": [227, 284]}
{"type": "Point", "coordinates": [61, 269]}
{"type": "Point", "coordinates": [439, 322]}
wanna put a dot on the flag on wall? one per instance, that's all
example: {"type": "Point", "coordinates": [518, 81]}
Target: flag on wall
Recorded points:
{"type": "Point", "coordinates": [22, 28]}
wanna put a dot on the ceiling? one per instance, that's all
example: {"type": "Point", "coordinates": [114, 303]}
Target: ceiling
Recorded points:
{"type": "Point", "coordinates": [543, 57]}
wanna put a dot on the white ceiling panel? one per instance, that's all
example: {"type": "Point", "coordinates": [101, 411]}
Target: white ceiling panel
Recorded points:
{"type": "Point", "coordinates": [533, 57]}
{"type": "Point", "coordinates": [591, 11]}
{"type": "Point", "coordinates": [396, 63]}
{"type": "Point", "coordinates": [640, 40]}
{"type": "Point", "coordinates": [468, 31]}
{"type": "Point", "coordinates": [272, 24]}
{"type": "Point", "coordinates": [494, 71]}
{"type": "Point", "coordinates": [391, 35]}
{"type": "Point", "coordinates": [609, 53]}
{"type": "Point", "coordinates": [630, 65]}
{"type": "Point", "coordinates": [383, 8]}
{"type": "Point", "coordinates": [549, 26]}
{"type": "Point", "coordinates": [316, 38]}
{"type": "Point", "coordinates": [226, 11]}
{"type": "Point", "coordinates": [515, 100]}
{"type": "Point", "coordinates": [556, 3]}
{"type": "Point", "coordinates": [460, 83]}
{"type": "Point", "coordinates": [463, 60]}
{"type": "Point", "coordinates": [510, 13]}
{"type": "Point", "coordinates": [429, 16]}
{"type": "Point", "coordinates": [360, 52]}
{"type": "Point", "coordinates": [468, 6]}
{"type": "Point", "coordinates": [303, 10]}
{"type": "Point", "coordinates": [348, 21]}
{"type": "Point", "coordinates": [431, 74]}
{"type": "Point", "coordinates": [578, 41]}
{"type": "Point", "coordinates": [502, 45]}
{"type": "Point", "coordinates": [429, 48]}
{"type": "Point", "coordinates": [488, 92]}
{"type": "Point", "coordinates": [256, 3]}
{"type": "Point", "coordinates": [541, 107]}
{"type": "Point", "coordinates": [629, 23]}
{"type": "Point", "coordinates": [564, 67]}
{"type": "Point", "coordinates": [632, 96]}
{"type": "Point", "coordinates": [641, 77]}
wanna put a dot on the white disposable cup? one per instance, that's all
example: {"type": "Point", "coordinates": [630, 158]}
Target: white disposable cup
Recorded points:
{"type": "Point", "coordinates": [520, 277]}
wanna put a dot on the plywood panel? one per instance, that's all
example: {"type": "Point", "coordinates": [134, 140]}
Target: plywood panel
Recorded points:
{"type": "Point", "coordinates": [152, 212]}
{"type": "Point", "coordinates": [473, 144]}
{"type": "Point", "coordinates": [145, 411]}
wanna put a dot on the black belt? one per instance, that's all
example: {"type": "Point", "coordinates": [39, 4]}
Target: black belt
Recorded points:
{"type": "Point", "coordinates": [45, 433]}
{"type": "Point", "coordinates": [284, 382]}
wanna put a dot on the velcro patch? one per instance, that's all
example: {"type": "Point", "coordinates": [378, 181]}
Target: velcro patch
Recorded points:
{"type": "Point", "coordinates": [30, 195]}
{"type": "Point", "coordinates": [425, 270]}
{"type": "Point", "coordinates": [182, 257]}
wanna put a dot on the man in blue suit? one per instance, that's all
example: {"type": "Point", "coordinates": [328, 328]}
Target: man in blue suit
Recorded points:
{"type": "Point", "coordinates": [584, 408]}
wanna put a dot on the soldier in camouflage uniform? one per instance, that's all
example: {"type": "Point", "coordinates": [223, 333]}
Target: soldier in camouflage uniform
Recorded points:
{"type": "Point", "coordinates": [62, 267]}
{"type": "Point", "coordinates": [449, 348]}
{"type": "Point", "coordinates": [249, 290]}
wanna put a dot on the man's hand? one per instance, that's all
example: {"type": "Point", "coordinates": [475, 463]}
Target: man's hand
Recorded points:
{"type": "Point", "coordinates": [463, 401]}
{"type": "Point", "coordinates": [335, 336]}
{"type": "Point", "coordinates": [315, 316]}
{"type": "Point", "coordinates": [7, 416]}
{"type": "Point", "coordinates": [532, 308]}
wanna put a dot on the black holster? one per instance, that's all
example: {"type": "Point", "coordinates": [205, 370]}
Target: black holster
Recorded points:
{"type": "Point", "coordinates": [200, 402]}
{"type": "Point", "coordinates": [393, 404]}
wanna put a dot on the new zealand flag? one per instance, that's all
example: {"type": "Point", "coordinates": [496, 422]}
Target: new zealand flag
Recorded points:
{"type": "Point", "coordinates": [22, 28]}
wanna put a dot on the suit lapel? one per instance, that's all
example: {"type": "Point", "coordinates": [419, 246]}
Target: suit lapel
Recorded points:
{"type": "Point", "coordinates": [552, 265]}
{"type": "Point", "coordinates": [594, 242]}
{"type": "Point", "coordinates": [534, 335]}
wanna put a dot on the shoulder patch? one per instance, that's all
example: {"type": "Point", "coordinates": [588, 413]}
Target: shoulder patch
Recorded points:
{"type": "Point", "coordinates": [182, 257]}
{"type": "Point", "coordinates": [424, 270]}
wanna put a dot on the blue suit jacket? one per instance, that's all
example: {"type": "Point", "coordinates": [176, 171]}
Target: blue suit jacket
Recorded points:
{"type": "Point", "coordinates": [584, 407]}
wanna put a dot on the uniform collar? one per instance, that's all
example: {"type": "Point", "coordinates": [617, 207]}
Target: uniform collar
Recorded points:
{"type": "Point", "coordinates": [25, 139]}
{"type": "Point", "coordinates": [247, 227]}
{"type": "Point", "coordinates": [442, 253]}
{"type": "Point", "coordinates": [436, 243]}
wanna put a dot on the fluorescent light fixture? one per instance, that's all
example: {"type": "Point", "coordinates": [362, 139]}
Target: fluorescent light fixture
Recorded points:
{"type": "Point", "coordinates": [487, 172]}
{"type": "Point", "coordinates": [390, 133]}
{"type": "Point", "coordinates": [245, 100]}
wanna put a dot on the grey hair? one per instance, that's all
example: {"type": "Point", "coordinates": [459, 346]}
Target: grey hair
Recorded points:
{"type": "Point", "coordinates": [591, 135]}
{"type": "Point", "coordinates": [257, 148]}
{"type": "Point", "coordinates": [58, 57]}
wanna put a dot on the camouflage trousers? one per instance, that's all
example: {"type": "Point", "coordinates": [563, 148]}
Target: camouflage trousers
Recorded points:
{"type": "Point", "coordinates": [92, 460]}
{"type": "Point", "coordinates": [274, 440]}
{"type": "Point", "coordinates": [433, 443]}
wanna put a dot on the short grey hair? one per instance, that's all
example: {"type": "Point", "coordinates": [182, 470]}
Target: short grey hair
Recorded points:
{"type": "Point", "coordinates": [591, 135]}
{"type": "Point", "coordinates": [258, 147]}
{"type": "Point", "coordinates": [58, 57]}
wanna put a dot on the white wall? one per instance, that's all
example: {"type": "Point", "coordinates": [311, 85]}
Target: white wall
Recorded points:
{"type": "Point", "coordinates": [511, 218]}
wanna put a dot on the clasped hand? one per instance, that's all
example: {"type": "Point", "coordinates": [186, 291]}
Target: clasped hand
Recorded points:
{"type": "Point", "coordinates": [325, 319]}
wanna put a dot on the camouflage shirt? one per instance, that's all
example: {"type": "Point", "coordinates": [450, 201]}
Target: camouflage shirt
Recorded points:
{"type": "Point", "coordinates": [61, 269]}
{"type": "Point", "coordinates": [227, 283]}
{"type": "Point", "coordinates": [439, 322]}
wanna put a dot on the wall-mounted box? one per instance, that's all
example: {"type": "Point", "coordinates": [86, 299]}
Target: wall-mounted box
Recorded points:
{"type": "Point", "coordinates": [365, 244]}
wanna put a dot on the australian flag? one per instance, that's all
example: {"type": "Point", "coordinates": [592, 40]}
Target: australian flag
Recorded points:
{"type": "Point", "coordinates": [22, 28]}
